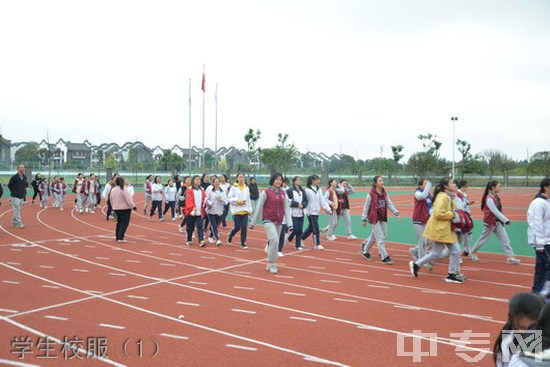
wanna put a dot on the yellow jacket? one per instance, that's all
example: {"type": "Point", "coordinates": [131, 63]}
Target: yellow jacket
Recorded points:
{"type": "Point", "coordinates": [438, 228]}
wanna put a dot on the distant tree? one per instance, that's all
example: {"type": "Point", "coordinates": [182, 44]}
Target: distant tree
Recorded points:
{"type": "Point", "coordinates": [251, 139]}
{"type": "Point", "coordinates": [357, 168]}
{"type": "Point", "coordinates": [540, 163]}
{"type": "Point", "coordinates": [426, 163]}
{"type": "Point", "coordinates": [281, 157]}
{"type": "Point", "coordinates": [396, 152]}
{"type": "Point", "coordinates": [110, 161]}
{"type": "Point", "coordinates": [464, 149]}
{"type": "Point", "coordinates": [497, 162]}
{"type": "Point", "coordinates": [171, 161]}
{"type": "Point", "coordinates": [28, 154]}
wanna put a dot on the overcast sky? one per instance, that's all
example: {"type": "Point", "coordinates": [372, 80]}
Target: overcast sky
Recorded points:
{"type": "Point", "coordinates": [342, 76]}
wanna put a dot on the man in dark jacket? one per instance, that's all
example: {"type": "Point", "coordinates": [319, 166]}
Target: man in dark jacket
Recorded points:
{"type": "Point", "coordinates": [18, 190]}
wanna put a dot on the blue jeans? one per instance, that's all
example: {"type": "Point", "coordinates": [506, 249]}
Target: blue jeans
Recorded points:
{"type": "Point", "coordinates": [224, 215]}
{"type": "Point", "coordinates": [156, 204]}
{"type": "Point", "coordinates": [542, 269]}
{"type": "Point", "coordinates": [214, 222]}
{"type": "Point", "coordinates": [170, 205]}
{"type": "Point", "coordinates": [241, 223]}
{"type": "Point", "coordinates": [191, 221]}
{"type": "Point", "coordinates": [297, 230]}
{"type": "Point", "coordinates": [313, 227]}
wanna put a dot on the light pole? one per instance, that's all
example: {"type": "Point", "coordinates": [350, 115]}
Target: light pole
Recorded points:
{"type": "Point", "coordinates": [453, 120]}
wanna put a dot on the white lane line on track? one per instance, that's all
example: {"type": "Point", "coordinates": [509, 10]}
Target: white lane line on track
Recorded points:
{"type": "Point", "coordinates": [136, 297]}
{"type": "Point", "coordinates": [50, 286]}
{"type": "Point", "coordinates": [243, 311]}
{"type": "Point", "coordinates": [302, 319]}
{"type": "Point", "coordinates": [294, 294]}
{"type": "Point", "coordinates": [47, 267]}
{"type": "Point", "coordinates": [118, 327]}
{"type": "Point", "coordinates": [245, 288]}
{"type": "Point", "coordinates": [118, 274]}
{"type": "Point", "coordinates": [241, 347]}
{"type": "Point", "coordinates": [10, 282]}
{"type": "Point", "coordinates": [346, 300]}
{"type": "Point", "coordinates": [7, 310]}
{"type": "Point", "coordinates": [180, 337]}
{"type": "Point", "coordinates": [188, 304]}
{"type": "Point", "coordinates": [56, 318]}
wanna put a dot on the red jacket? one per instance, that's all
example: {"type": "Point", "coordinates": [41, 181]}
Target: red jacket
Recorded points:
{"type": "Point", "coordinates": [190, 201]}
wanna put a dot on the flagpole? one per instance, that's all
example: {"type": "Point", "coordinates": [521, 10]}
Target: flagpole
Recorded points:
{"type": "Point", "coordinates": [203, 118]}
{"type": "Point", "coordinates": [189, 127]}
{"type": "Point", "coordinates": [216, 131]}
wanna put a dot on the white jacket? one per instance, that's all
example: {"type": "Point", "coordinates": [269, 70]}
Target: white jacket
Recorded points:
{"type": "Point", "coordinates": [156, 192]}
{"type": "Point", "coordinates": [215, 201]}
{"type": "Point", "coordinates": [170, 193]}
{"type": "Point", "coordinates": [316, 201]}
{"type": "Point", "coordinates": [236, 198]}
{"type": "Point", "coordinates": [538, 222]}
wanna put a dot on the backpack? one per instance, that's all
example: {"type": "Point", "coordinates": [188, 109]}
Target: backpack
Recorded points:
{"type": "Point", "coordinates": [463, 223]}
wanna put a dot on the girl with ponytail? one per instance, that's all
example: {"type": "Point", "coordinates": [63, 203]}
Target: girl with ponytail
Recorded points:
{"type": "Point", "coordinates": [493, 221]}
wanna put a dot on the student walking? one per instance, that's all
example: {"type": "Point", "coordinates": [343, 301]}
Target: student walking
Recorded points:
{"type": "Point", "coordinates": [180, 195]}
{"type": "Point", "coordinates": [254, 192]}
{"type": "Point", "coordinates": [44, 189]}
{"type": "Point", "coordinates": [462, 202]}
{"type": "Point", "coordinates": [298, 205]}
{"type": "Point", "coordinates": [422, 208]}
{"type": "Point", "coordinates": [35, 183]}
{"type": "Point", "coordinates": [215, 203]}
{"type": "Point", "coordinates": [194, 211]}
{"type": "Point", "coordinates": [106, 196]}
{"type": "Point", "coordinates": [375, 212]}
{"type": "Point", "coordinates": [438, 231]}
{"type": "Point", "coordinates": [156, 198]}
{"type": "Point", "coordinates": [239, 200]}
{"type": "Point", "coordinates": [147, 186]}
{"type": "Point", "coordinates": [226, 186]}
{"type": "Point", "coordinates": [59, 192]}
{"type": "Point", "coordinates": [18, 190]}
{"type": "Point", "coordinates": [335, 205]}
{"type": "Point", "coordinates": [123, 203]}
{"type": "Point", "coordinates": [170, 199]}
{"type": "Point", "coordinates": [538, 236]}
{"type": "Point", "coordinates": [92, 188]}
{"type": "Point", "coordinates": [274, 207]}
{"type": "Point", "coordinates": [316, 201]}
{"type": "Point", "coordinates": [79, 189]}
{"type": "Point", "coordinates": [343, 191]}
{"type": "Point", "coordinates": [493, 221]}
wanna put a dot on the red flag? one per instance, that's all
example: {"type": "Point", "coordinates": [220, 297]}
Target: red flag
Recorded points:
{"type": "Point", "coordinates": [203, 87]}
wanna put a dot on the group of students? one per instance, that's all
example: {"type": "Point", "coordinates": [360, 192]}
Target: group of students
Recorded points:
{"type": "Point", "coordinates": [443, 223]}
{"type": "Point", "coordinates": [86, 190]}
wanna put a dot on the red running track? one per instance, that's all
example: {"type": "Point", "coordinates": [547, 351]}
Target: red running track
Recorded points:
{"type": "Point", "coordinates": [64, 276]}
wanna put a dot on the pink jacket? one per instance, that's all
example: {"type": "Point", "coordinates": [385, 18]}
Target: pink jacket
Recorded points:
{"type": "Point", "coordinates": [121, 199]}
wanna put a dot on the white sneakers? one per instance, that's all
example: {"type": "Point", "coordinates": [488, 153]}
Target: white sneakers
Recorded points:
{"type": "Point", "coordinates": [318, 247]}
{"type": "Point", "coordinates": [512, 260]}
{"type": "Point", "coordinates": [351, 237]}
{"type": "Point", "coordinates": [280, 253]}
{"type": "Point", "coordinates": [331, 238]}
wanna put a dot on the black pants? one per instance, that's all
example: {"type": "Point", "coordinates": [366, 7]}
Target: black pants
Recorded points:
{"type": "Point", "coordinates": [123, 220]}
